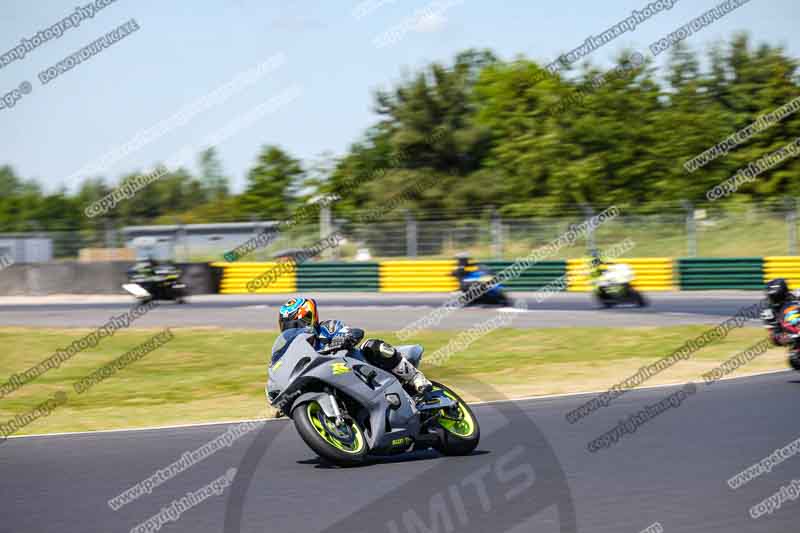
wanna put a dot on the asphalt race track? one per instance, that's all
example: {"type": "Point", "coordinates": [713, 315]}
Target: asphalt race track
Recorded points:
{"type": "Point", "coordinates": [374, 311]}
{"type": "Point", "coordinates": [531, 472]}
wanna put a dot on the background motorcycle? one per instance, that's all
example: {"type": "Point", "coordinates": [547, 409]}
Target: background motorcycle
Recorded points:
{"type": "Point", "coordinates": [615, 287]}
{"type": "Point", "coordinates": [495, 296]}
{"type": "Point", "coordinates": [163, 284]}
{"type": "Point", "coordinates": [347, 410]}
{"type": "Point", "coordinates": [789, 324]}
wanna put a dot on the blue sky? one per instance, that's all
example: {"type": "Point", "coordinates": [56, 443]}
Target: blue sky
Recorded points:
{"type": "Point", "coordinates": [186, 49]}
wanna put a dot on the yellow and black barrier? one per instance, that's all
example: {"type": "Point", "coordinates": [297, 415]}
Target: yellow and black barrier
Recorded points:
{"type": "Point", "coordinates": [651, 274]}
{"type": "Point", "coordinates": [275, 279]}
{"type": "Point", "coordinates": [417, 276]}
{"type": "Point", "coordinates": [787, 267]}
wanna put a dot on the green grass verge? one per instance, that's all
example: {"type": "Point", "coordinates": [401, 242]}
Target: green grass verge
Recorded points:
{"type": "Point", "coordinates": [209, 374]}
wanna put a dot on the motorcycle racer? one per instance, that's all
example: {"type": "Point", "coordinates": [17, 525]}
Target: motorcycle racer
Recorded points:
{"type": "Point", "coordinates": [782, 319]}
{"type": "Point", "coordinates": [333, 335]}
{"type": "Point", "coordinates": [596, 265]}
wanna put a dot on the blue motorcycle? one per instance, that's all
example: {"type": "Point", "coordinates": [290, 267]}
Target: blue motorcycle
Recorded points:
{"type": "Point", "coordinates": [471, 276]}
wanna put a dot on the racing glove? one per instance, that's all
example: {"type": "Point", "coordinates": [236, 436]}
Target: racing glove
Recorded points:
{"type": "Point", "coordinates": [345, 339]}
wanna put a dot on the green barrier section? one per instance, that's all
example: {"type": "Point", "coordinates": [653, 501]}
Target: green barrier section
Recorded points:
{"type": "Point", "coordinates": [361, 277]}
{"type": "Point", "coordinates": [701, 274]}
{"type": "Point", "coordinates": [535, 277]}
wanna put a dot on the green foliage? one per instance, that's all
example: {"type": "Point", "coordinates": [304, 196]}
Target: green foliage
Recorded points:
{"type": "Point", "coordinates": [214, 181]}
{"type": "Point", "coordinates": [493, 133]}
{"type": "Point", "coordinates": [266, 195]}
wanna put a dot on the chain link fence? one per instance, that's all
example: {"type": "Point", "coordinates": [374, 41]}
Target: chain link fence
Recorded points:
{"type": "Point", "coordinates": [668, 231]}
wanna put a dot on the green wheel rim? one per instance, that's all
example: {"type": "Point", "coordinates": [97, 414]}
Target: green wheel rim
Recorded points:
{"type": "Point", "coordinates": [351, 442]}
{"type": "Point", "coordinates": [461, 425]}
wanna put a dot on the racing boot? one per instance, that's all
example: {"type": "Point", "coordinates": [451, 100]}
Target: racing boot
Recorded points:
{"type": "Point", "coordinates": [411, 376]}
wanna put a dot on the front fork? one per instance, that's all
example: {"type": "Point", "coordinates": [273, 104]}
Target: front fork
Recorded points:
{"type": "Point", "coordinates": [334, 405]}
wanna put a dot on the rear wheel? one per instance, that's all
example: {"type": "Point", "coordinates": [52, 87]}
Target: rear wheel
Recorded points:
{"type": "Point", "coordinates": [182, 296]}
{"type": "Point", "coordinates": [457, 426]}
{"type": "Point", "coordinates": [603, 298]}
{"type": "Point", "coordinates": [794, 360]}
{"type": "Point", "coordinates": [641, 301]}
{"type": "Point", "coordinates": [343, 445]}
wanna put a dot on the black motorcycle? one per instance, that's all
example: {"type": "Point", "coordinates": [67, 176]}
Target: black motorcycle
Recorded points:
{"type": "Point", "coordinates": [158, 283]}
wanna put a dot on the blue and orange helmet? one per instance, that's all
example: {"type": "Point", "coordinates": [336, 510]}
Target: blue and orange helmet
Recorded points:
{"type": "Point", "coordinates": [791, 318]}
{"type": "Point", "coordinates": [298, 313]}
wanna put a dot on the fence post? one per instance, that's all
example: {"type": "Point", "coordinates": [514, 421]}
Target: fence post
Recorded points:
{"type": "Point", "coordinates": [588, 212]}
{"type": "Point", "coordinates": [411, 235]}
{"type": "Point", "coordinates": [691, 229]}
{"type": "Point", "coordinates": [109, 234]}
{"type": "Point", "coordinates": [791, 221]}
{"type": "Point", "coordinates": [496, 230]}
{"type": "Point", "coordinates": [324, 226]}
{"type": "Point", "coordinates": [184, 237]}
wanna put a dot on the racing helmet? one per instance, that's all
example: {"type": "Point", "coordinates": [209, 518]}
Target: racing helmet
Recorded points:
{"type": "Point", "coordinates": [777, 291]}
{"type": "Point", "coordinates": [298, 313]}
{"type": "Point", "coordinates": [596, 260]}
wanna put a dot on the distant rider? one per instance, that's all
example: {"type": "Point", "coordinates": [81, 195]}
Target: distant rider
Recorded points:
{"type": "Point", "coordinates": [464, 267]}
{"type": "Point", "coordinates": [144, 268]}
{"type": "Point", "coordinates": [783, 316]}
{"type": "Point", "coordinates": [332, 335]}
{"type": "Point", "coordinates": [597, 266]}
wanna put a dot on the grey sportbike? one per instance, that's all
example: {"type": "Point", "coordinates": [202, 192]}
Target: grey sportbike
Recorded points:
{"type": "Point", "coordinates": [347, 410]}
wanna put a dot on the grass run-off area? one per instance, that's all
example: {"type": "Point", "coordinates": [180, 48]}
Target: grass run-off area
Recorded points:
{"type": "Point", "coordinates": [210, 374]}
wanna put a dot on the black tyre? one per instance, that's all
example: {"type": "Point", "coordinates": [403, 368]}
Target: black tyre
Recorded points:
{"type": "Point", "coordinates": [458, 427]}
{"type": "Point", "coordinates": [641, 301]}
{"type": "Point", "coordinates": [603, 300]}
{"type": "Point", "coordinates": [343, 446]}
{"type": "Point", "coordinates": [794, 361]}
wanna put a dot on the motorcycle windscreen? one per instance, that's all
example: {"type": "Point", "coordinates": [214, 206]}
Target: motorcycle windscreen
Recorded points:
{"type": "Point", "coordinates": [284, 340]}
{"type": "Point", "coordinates": [136, 290]}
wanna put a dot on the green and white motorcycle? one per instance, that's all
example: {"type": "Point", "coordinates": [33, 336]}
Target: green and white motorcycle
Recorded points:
{"type": "Point", "coordinates": [347, 410]}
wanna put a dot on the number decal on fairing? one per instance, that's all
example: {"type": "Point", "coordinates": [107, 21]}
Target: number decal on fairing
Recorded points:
{"type": "Point", "coordinates": [339, 368]}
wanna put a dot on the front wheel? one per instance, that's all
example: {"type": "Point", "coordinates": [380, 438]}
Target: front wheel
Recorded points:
{"type": "Point", "coordinates": [638, 297]}
{"type": "Point", "coordinates": [504, 300]}
{"type": "Point", "coordinates": [343, 445]}
{"type": "Point", "coordinates": [458, 427]}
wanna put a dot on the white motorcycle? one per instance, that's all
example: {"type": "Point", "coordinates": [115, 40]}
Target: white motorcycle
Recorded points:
{"type": "Point", "coordinates": [615, 287]}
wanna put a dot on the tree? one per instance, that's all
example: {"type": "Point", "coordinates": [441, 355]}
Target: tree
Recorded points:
{"type": "Point", "coordinates": [215, 183]}
{"type": "Point", "coordinates": [267, 192]}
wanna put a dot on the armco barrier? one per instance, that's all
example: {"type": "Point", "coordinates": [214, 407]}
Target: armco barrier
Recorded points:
{"type": "Point", "coordinates": [783, 267]}
{"type": "Point", "coordinates": [652, 274]}
{"type": "Point", "coordinates": [535, 277]}
{"type": "Point", "coordinates": [417, 276]}
{"type": "Point", "coordinates": [235, 277]}
{"type": "Point", "coordinates": [697, 274]}
{"type": "Point", "coordinates": [345, 277]}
